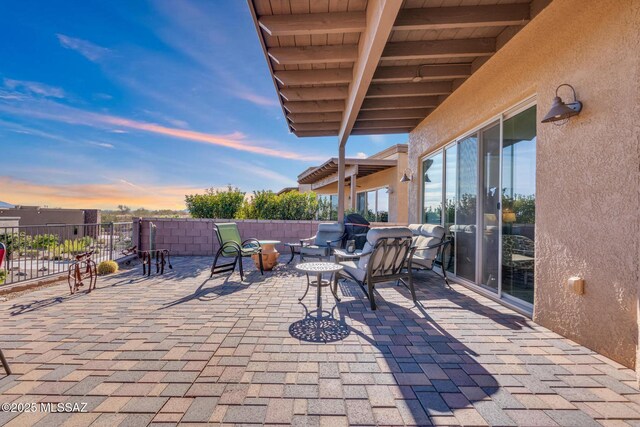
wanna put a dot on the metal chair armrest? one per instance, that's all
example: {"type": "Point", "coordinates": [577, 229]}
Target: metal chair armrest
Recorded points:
{"type": "Point", "coordinates": [438, 245]}
{"type": "Point", "coordinates": [253, 241]}
{"type": "Point", "coordinates": [231, 244]}
{"type": "Point", "coordinates": [309, 239]}
{"type": "Point", "coordinates": [344, 255]}
{"type": "Point", "coordinates": [329, 242]}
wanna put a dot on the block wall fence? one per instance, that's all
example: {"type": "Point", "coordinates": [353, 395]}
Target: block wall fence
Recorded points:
{"type": "Point", "coordinates": [190, 236]}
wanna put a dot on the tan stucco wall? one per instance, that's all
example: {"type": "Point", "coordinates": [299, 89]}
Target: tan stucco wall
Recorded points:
{"type": "Point", "coordinates": [588, 177]}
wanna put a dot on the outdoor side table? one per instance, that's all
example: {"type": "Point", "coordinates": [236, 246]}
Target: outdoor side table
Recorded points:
{"type": "Point", "coordinates": [269, 254]}
{"type": "Point", "coordinates": [295, 249]}
{"type": "Point", "coordinates": [317, 269]}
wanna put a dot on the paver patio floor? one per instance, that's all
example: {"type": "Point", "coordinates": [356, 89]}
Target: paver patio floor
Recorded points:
{"type": "Point", "coordinates": [182, 348]}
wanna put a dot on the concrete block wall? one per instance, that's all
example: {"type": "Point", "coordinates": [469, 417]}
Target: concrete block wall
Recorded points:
{"type": "Point", "coordinates": [190, 236]}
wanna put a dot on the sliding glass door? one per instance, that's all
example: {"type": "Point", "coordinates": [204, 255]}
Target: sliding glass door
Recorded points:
{"type": "Point", "coordinates": [490, 207]}
{"type": "Point", "coordinates": [466, 208]}
{"type": "Point", "coordinates": [519, 205]}
{"type": "Point", "coordinates": [481, 189]}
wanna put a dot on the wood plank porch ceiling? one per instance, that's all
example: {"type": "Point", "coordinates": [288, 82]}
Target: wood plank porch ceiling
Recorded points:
{"type": "Point", "coordinates": [363, 167]}
{"type": "Point", "coordinates": [313, 46]}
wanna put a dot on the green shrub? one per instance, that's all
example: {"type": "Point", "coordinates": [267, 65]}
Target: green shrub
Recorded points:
{"type": "Point", "coordinates": [3, 276]}
{"type": "Point", "coordinates": [15, 241]}
{"type": "Point", "coordinates": [215, 203]}
{"type": "Point", "coordinates": [288, 206]}
{"type": "Point", "coordinates": [44, 241]}
{"type": "Point", "coordinates": [107, 267]}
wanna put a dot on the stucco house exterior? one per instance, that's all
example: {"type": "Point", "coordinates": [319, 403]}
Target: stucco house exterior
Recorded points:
{"type": "Point", "coordinates": [542, 207]}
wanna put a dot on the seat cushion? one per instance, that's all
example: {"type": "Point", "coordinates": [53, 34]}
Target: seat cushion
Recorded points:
{"type": "Point", "coordinates": [419, 261]}
{"type": "Point", "coordinates": [415, 229]}
{"type": "Point", "coordinates": [431, 230]}
{"type": "Point", "coordinates": [423, 242]}
{"type": "Point", "coordinates": [329, 231]}
{"type": "Point", "coordinates": [351, 267]}
{"type": "Point", "coordinates": [314, 250]}
{"type": "Point", "coordinates": [378, 233]}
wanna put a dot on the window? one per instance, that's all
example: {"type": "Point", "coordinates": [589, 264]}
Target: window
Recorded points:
{"type": "Point", "coordinates": [328, 207]}
{"type": "Point", "coordinates": [432, 179]}
{"type": "Point", "coordinates": [374, 204]}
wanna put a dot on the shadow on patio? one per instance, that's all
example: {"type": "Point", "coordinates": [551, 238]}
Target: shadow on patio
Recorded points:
{"type": "Point", "coordinates": [185, 348]}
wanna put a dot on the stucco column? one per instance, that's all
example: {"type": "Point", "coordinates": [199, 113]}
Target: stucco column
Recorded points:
{"type": "Point", "coordinates": [341, 179]}
{"type": "Point", "coordinates": [353, 192]}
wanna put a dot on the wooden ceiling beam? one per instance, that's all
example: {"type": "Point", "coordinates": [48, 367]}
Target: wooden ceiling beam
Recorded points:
{"type": "Point", "coordinates": [314, 106]}
{"type": "Point", "coordinates": [380, 16]}
{"type": "Point", "coordinates": [396, 113]}
{"type": "Point", "coordinates": [313, 54]}
{"type": "Point", "coordinates": [400, 103]}
{"type": "Point", "coordinates": [315, 77]}
{"type": "Point", "coordinates": [314, 93]}
{"type": "Point", "coordinates": [384, 124]}
{"type": "Point", "coordinates": [433, 49]}
{"type": "Point", "coordinates": [316, 126]}
{"type": "Point", "coordinates": [381, 131]}
{"type": "Point", "coordinates": [427, 72]}
{"type": "Point", "coordinates": [314, 133]}
{"type": "Point", "coordinates": [409, 89]}
{"type": "Point", "coordinates": [439, 18]}
{"type": "Point", "coordinates": [314, 117]}
{"type": "Point", "coordinates": [314, 23]}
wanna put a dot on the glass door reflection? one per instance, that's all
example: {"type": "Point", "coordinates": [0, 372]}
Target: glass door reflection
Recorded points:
{"type": "Point", "coordinates": [490, 207]}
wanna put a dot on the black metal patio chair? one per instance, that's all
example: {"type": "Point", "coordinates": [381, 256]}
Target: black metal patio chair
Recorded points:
{"type": "Point", "coordinates": [231, 245]}
{"type": "Point", "coordinates": [385, 257]}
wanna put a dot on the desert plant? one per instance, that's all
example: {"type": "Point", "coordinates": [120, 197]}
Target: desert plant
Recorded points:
{"type": "Point", "coordinates": [3, 276]}
{"type": "Point", "coordinates": [44, 241]}
{"type": "Point", "coordinates": [107, 267]}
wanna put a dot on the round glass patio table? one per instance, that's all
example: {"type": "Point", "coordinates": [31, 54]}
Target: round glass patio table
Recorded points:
{"type": "Point", "coordinates": [318, 269]}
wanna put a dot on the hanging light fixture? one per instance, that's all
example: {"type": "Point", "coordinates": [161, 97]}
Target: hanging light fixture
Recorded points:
{"type": "Point", "coordinates": [418, 77]}
{"type": "Point", "coordinates": [407, 176]}
{"type": "Point", "coordinates": [560, 111]}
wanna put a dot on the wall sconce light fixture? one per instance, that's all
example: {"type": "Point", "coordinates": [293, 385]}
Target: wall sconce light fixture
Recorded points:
{"type": "Point", "coordinates": [560, 111]}
{"type": "Point", "coordinates": [407, 176]}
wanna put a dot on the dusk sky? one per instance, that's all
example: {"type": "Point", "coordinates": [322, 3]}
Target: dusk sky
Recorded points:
{"type": "Point", "coordinates": [105, 103]}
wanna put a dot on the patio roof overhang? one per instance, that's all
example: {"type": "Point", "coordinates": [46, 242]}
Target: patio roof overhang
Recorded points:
{"type": "Point", "coordinates": [349, 67]}
{"type": "Point", "coordinates": [325, 174]}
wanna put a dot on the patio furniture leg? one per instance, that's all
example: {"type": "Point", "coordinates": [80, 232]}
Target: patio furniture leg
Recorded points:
{"type": "Point", "coordinates": [239, 259]}
{"type": "Point", "coordinates": [261, 265]}
{"type": "Point", "coordinates": [334, 290]}
{"type": "Point", "coordinates": [371, 297]}
{"type": "Point", "coordinates": [319, 284]}
{"type": "Point", "coordinates": [411, 287]}
{"type": "Point", "coordinates": [444, 275]}
{"type": "Point", "coordinates": [292, 254]}
{"type": "Point", "coordinates": [307, 290]}
{"type": "Point", "coordinates": [4, 363]}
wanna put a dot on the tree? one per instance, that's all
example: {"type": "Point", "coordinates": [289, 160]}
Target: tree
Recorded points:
{"type": "Point", "coordinates": [124, 209]}
{"type": "Point", "coordinates": [215, 203]}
